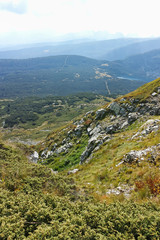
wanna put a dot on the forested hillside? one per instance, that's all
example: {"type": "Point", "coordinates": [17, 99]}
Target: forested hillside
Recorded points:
{"type": "Point", "coordinates": [60, 75]}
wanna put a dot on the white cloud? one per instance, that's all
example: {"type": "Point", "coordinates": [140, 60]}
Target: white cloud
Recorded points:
{"type": "Point", "coordinates": [16, 6]}
{"type": "Point", "coordinates": [52, 17]}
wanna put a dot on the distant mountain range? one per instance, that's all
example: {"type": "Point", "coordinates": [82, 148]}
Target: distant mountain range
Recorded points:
{"type": "Point", "coordinates": [70, 74]}
{"type": "Point", "coordinates": [91, 49]}
{"type": "Point", "coordinates": [112, 49]}
{"type": "Point", "coordinates": [134, 48]}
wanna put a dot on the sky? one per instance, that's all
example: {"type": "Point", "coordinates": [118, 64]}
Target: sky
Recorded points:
{"type": "Point", "coordinates": [27, 21]}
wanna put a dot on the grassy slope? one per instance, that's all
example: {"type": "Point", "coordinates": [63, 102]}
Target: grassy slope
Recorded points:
{"type": "Point", "coordinates": [37, 204]}
{"type": "Point", "coordinates": [101, 173]}
{"type": "Point", "coordinates": [144, 91]}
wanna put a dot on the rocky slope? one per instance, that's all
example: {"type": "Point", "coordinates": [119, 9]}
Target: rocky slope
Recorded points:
{"type": "Point", "coordinates": [112, 153]}
{"type": "Point", "coordinates": [130, 120]}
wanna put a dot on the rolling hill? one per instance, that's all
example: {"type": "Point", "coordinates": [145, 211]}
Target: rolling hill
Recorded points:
{"type": "Point", "coordinates": [59, 75]}
{"type": "Point", "coordinates": [143, 66]}
{"type": "Point", "coordinates": [120, 53]}
{"type": "Point", "coordinates": [91, 49]}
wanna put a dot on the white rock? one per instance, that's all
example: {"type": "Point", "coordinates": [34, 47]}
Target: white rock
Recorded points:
{"type": "Point", "coordinates": [154, 94]}
{"type": "Point", "coordinates": [73, 171]}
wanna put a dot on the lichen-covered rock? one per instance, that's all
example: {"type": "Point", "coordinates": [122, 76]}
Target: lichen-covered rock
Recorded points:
{"type": "Point", "coordinates": [132, 117]}
{"type": "Point", "coordinates": [93, 145]}
{"type": "Point", "coordinates": [64, 148]}
{"type": "Point", "coordinates": [115, 107]}
{"type": "Point", "coordinates": [112, 128]}
{"type": "Point", "coordinates": [95, 130]}
{"type": "Point", "coordinates": [44, 153]}
{"type": "Point", "coordinates": [34, 157]}
{"type": "Point", "coordinates": [78, 130]}
{"type": "Point", "coordinates": [100, 114]}
{"type": "Point", "coordinates": [149, 154]}
{"type": "Point", "coordinates": [152, 125]}
{"type": "Point", "coordinates": [54, 147]}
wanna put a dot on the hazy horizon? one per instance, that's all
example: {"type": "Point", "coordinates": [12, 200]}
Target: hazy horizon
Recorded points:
{"type": "Point", "coordinates": [31, 21]}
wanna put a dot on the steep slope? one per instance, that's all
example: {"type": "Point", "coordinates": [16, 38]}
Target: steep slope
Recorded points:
{"type": "Point", "coordinates": [118, 148]}
{"type": "Point", "coordinates": [36, 203]}
{"type": "Point", "coordinates": [124, 134]}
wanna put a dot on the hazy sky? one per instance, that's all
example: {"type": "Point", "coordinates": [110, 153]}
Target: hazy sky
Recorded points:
{"type": "Point", "coordinates": [43, 20]}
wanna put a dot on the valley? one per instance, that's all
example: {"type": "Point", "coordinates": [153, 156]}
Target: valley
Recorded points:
{"type": "Point", "coordinates": [32, 119]}
{"type": "Point", "coordinates": [80, 142]}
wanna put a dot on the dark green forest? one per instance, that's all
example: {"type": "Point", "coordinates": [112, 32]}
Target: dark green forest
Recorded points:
{"type": "Point", "coordinates": [61, 76]}
{"type": "Point", "coordinates": [34, 111]}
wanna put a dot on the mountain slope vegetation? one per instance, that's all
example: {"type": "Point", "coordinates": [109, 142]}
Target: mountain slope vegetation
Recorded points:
{"type": "Point", "coordinates": [102, 140]}
{"type": "Point", "coordinates": [95, 178]}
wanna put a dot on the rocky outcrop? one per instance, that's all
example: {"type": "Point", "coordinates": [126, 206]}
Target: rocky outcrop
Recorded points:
{"type": "Point", "coordinates": [152, 125]}
{"type": "Point", "coordinates": [115, 107]}
{"type": "Point", "coordinates": [149, 154]}
{"type": "Point", "coordinates": [100, 114]}
{"type": "Point", "coordinates": [101, 125]}
{"type": "Point", "coordinates": [132, 117]}
{"type": "Point", "coordinates": [125, 106]}
{"type": "Point", "coordinates": [64, 148]}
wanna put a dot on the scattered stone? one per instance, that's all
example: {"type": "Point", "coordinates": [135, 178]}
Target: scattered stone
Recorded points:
{"type": "Point", "coordinates": [44, 153]}
{"type": "Point", "coordinates": [34, 157]}
{"type": "Point", "coordinates": [124, 124]}
{"type": "Point", "coordinates": [53, 172]}
{"type": "Point", "coordinates": [154, 94]}
{"type": "Point", "coordinates": [148, 127]}
{"type": "Point", "coordinates": [132, 117]}
{"type": "Point", "coordinates": [89, 113]}
{"type": "Point", "coordinates": [122, 112]}
{"type": "Point", "coordinates": [73, 171]}
{"type": "Point", "coordinates": [122, 189]}
{"type": "Point", "coordinates": [150, 154]}
{"type": "Point", "coordinates": [49, 153]}
{"type": "Point", "coordinates": [89, 129]}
